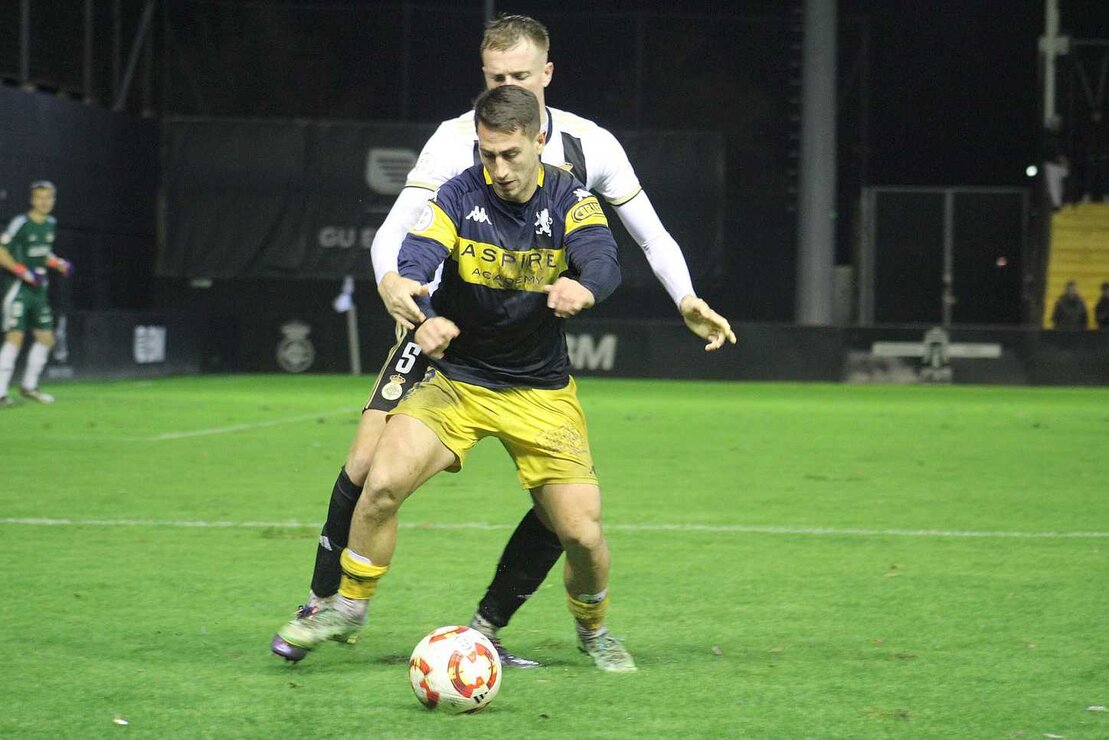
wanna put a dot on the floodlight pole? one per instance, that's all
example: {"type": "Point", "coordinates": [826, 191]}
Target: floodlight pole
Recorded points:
{"type": "Point", "coordinates": [817, 179]}
{"type": "Point", "coordinates": [1052, 46]}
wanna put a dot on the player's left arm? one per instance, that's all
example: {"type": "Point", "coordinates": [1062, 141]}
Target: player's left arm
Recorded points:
{"type": "Point", "coordinates": [668, 264]}
{"type": "Point", "coordinates": [62, 265]}
{"type": "Point", "coordinates": [591, 251]}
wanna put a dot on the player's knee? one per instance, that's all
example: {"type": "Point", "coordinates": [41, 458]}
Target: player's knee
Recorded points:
{"type": "Point", "coordinates": [582, 535]}
{"type": "Point", "coordinates": [358, 464]}
{"type": "Point", "coordinates": [381, 496]}
{"type": "Point", "coordinates": [361, 456]}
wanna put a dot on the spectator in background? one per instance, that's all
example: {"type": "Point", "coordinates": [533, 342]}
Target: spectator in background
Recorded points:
{"type": "Point", "coordinates": [1055, 163]}
{"type": "Point", "coordinates": [1101, 310]}
{"type": "Point", "coordinates": [1070, 309]}
{"type": "Point", "coordinates": [1095, 151]}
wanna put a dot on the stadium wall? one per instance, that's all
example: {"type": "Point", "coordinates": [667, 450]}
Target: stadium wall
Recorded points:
{"type": "Point", "coordinates": [109, 345]}
{"type": "Point", "coordinates": [278, 326]}
{"type": "Point", "coordinates": [296, 200]}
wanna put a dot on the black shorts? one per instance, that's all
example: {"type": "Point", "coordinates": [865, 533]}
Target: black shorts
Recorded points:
{"type": "Point", "coordinates": [404, 366]}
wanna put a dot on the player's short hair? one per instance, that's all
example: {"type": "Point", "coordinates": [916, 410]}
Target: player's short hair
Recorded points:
{"type": "Point", "coordinates": [504, 32]}
{"type": "Point", "coordinates": [508, 108]}
{"type": "Point", "coordinates": [43, 185]}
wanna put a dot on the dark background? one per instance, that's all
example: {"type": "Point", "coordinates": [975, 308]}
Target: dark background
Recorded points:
{"type": "Point", "coordinates": [930, 93]}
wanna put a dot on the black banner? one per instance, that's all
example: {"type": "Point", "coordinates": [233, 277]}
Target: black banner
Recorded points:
{"type": "Point", "coordinates": [123, 344]}
{"type": "Point", "coordinates": [303, 199]}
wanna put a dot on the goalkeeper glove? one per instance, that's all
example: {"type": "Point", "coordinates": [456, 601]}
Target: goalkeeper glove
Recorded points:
{"type": "Point", "coordinates": [27, 275]}
{"type": "Point", "coordinates": [64, 266]}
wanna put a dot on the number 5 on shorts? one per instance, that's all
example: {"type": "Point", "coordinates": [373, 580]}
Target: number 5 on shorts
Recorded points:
{"type": "Point", "coordinates": [407, 357]}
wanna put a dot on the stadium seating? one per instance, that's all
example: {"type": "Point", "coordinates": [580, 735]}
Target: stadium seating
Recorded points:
{"type": "Point", "coordinates": [1079, 252]}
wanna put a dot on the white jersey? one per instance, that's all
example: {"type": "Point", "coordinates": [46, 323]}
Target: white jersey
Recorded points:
{"type": "Point", "coordinates": [575, 144]}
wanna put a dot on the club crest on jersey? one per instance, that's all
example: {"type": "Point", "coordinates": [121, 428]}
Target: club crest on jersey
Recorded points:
{"type": "Point", "coordinates": [478, 215]}
{"type": "Point", "coordinates": [543, 222]}
{"type": "Point", "coordinates": [394, 389]}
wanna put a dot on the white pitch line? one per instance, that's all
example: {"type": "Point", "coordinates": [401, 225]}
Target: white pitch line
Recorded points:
{"type": "Point", "coordinates": [683, 528]}
{"type": "Point", "coordinates": [244, 427]}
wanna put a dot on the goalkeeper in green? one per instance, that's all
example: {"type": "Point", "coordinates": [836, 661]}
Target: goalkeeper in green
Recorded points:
{"type": "Point", "coordinates": [26, 251]}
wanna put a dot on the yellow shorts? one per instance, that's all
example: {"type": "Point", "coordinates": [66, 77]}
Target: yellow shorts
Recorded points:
{"type": "Point", "coordinates": [542, 430]}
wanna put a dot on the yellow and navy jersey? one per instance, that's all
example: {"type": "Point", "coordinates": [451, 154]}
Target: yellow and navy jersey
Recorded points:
{"type": "Point", "coordinates": [30, 243]}
{"type": "Point", "coordinates": [499, 256]}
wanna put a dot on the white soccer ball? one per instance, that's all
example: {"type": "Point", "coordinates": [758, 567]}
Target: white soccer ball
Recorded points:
{"type": "Point", "coordinates": [455, 669]}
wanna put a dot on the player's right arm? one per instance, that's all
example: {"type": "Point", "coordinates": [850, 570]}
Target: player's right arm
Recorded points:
{"type": "Point", "coordinates": [426, 247]}
{"type": "Point", "coordinates": [20, 271]}
{"type": "Point", "coordinates": [446, 154]}
{"type": "Point", "coordinates": [397, 292]}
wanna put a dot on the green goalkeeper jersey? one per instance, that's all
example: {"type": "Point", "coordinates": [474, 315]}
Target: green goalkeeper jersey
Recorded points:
{"type": "Point", "coordinates": [29, 243]}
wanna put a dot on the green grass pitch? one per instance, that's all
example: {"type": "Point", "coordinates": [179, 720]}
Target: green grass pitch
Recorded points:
{"type": "Point", "coordinates": [788, 561]}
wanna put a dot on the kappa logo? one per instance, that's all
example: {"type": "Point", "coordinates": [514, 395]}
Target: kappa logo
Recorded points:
{"type": "Point", "coordinates": [582, 194]}
{"type": "Point", "coordinates": [543, 222]}
{"type": "Point", "coordinates": [478, 215]}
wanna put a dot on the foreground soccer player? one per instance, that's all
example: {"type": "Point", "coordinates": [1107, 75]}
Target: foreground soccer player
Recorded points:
{"type": "Point", "coordinates": [500, 367]}
{"type": "Point", "coordinates": [26, 251]}
{"type": "Point", "coordinates": [514, 51]}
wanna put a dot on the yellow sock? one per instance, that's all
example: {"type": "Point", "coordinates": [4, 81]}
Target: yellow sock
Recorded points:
{"type": "Point", "coordinates": [359, 580]}
{"type": "Point", "coordinates": [589, 614]}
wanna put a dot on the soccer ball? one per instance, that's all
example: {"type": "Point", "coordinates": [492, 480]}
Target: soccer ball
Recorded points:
{"type": "Point", "coordinates": [455, 669]}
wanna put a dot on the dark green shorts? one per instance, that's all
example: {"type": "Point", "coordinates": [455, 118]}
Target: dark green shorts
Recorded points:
{"type": "Point", "coordinates": [25, 308]}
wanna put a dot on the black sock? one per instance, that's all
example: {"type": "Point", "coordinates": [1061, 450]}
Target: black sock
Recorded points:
{"type": "Point", "coordinates": [531, 552]}
{"type": "Point", "coordinates": [334, 535]}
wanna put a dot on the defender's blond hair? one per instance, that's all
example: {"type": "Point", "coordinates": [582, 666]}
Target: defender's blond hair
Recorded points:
{"type": "Point", "coordinates": [502, 33]}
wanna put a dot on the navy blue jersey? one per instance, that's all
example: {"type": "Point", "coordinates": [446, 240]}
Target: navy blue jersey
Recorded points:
{"type": "Point", "coordinates": [501, 256]}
